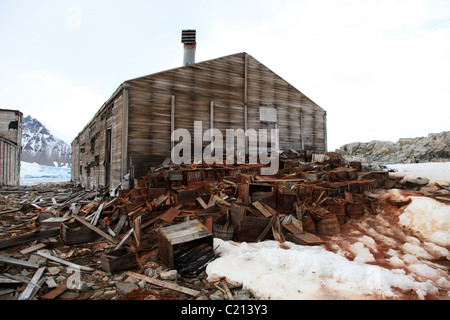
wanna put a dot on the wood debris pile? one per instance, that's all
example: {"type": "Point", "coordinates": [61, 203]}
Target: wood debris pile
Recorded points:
{"type": "Point", "coordinates": [172, 215]}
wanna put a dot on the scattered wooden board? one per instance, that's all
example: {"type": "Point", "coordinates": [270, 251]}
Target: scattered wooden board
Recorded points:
{"type": "Point", "coordinates": [170, 214]}
{"type": "Point", "coordinates": [28, 237]}
{"type": "Point", "coordinates": [18, 262]}
{"type": "Point", "coordinates": [164, 284]}
{"type": "Point", "coordinates": [54, 293]}
{"type": "Point", "coordinates": [31, 249]}
{"type": "Point", "coordinates": [97, 230]}
{"type": "Point", "coordinates": [33, 286]}
{"type": "Point", "coordinates": [64, 262]}
{"type": "Point", "coordinates": [300, 237]}
{"type": "Point", "coordinates": [262, 209]}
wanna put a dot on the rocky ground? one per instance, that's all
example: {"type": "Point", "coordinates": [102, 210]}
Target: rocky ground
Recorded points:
{"type": "Point", "coordinates": [433, 148]}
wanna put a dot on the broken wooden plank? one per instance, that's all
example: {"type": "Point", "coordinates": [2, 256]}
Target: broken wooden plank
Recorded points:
{"type": "Point", "coordinates": [95, 229]}
{"type": "Point", "coordinates": [129, 233]}
{"type": "Point", "coordinates": [164, 284]}
{"type": "Point", "coordinates": [202, 203]}
{"type": "Point", "coordinates": [137, 225]}
{"type": "Point", "coordinates": [262, 209]}
{"type": "Point", "coordinates": [120, 224]}
{"type": "Point", "coordinates": [54, 293]}
{"type": "Point", "coordinates": [32, 236]}
{"type": "Point", "coordinates": [33, 248]}
{"type": "Point", "coordinates": [221, 201]}
{"type": "Point", "coordinates": [9, 211]}
{"type": "Point", "coordinates": [160, 200]}
{"type": "Point", "coordinates": [148, 223]}
{"type": "Point", "coordinates": [267, 228]}
{"type": "Point", "coordinates": [300, 237]}
{"type": "Point", "coordinates": [7, 280]}
{"type": "Point", "coordinates": [276, 231]}
{"type": "Point", "coordinates": [53, 222]}
{"type": "Point", "coordinates": [33, 286]}
{"type": "Point", "coordinates": [139, 208]}
{"type": "Point", "coordinates": [305, 239]}
{"type": "Point", "coordinates": [227, 290]}
{"type": "Point", "coordinates": [18, 262]}
{"type": "Point", "coordinates": [170, 214]}
{"type": "Point", "coordinates": [47, 255]}
{"type": "Point", "coordinates": [97, 214]}
{"type": "Point", "coordinates": [269, 208]}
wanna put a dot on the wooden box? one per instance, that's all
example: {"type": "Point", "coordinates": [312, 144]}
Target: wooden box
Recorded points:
{"type": "Point", "coordinates": [171, 236]}
{"type": "Point", "coordinates": [75, 233]}
{"type": "Point", "coordinates": [118, 260]}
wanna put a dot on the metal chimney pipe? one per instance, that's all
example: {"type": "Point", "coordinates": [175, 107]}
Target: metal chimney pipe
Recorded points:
{"type": "Point", "coordinates": [188, 38]}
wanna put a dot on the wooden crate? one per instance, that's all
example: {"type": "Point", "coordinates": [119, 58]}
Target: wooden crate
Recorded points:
{"type": "Point", "coordinates": [75, 233]}
{"type": "Point", "coordinates": [171, 236]}
{"type": "Point", "coordinates": [118, 260]}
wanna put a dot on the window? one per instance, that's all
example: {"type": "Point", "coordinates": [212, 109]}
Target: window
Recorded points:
{"type": "Point", "coordinates": [268, 114]}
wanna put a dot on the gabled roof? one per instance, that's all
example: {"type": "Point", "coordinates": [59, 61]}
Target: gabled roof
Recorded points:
{"type": "Point", "coordinates": [126, 83]}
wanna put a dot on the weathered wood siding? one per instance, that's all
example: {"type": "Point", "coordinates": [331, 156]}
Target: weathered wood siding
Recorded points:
{"type": "Point", "coordinates": [10, 146]}
{"type": "Point", "coordinates": [89, 156]}
{"type": "Point", "coordinates": [230, 83]}
{"type": "Point", "coordinates": [225, 93]}
{"type": "Point", "coordinates": [265, 88]}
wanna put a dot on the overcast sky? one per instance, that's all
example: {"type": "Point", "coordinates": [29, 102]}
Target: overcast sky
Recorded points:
{"type": "Point", "coordinates": [380, 68]}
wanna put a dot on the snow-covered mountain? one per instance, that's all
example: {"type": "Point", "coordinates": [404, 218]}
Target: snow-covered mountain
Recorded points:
{"type": "Point", "coordinates": [41, 146]}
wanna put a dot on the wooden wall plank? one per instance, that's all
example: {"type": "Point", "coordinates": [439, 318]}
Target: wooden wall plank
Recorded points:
{"type": "Point", "coordinates": [237, 85]}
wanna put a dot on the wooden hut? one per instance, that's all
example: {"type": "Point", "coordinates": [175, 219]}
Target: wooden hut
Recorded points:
{"type": "Point", "coordinates": [132, 131]}
{"type": "Point", "coordinates": [10, 146]}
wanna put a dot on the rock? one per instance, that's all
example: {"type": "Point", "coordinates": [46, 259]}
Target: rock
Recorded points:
{"type": "Point", "coordinates": [202, 297]}
{"type": "Point", "coordinates": [417, 183]}
{"type": "Point", "coordinates": [433, 148]}
{"type": "Point", "coordinates": [216, 296]}
{"type": "Point", "coordinates": [61, 279]}
{"type": "Point", "coordinates": [41, 261]}
{"type": "Point", "coordinates": [169, 275]}
{"type": "Point", "coordinates": [97, 294]}
{"type": "Point", "coordinates": [142, 284]}
{"type": "Point", "coordinates": [131, 279]}
{"type": "Point", "coordinates": [242, 296]}
{"type": "Point", "coordinates": [83, 286]}
{"type": "Point", "coordinates": [118, 278]}
{"type": "Point", "coordinates": [53, 270]}
{"type": "Point", "coordinates": [107, 295]}
{"type": "Point", "coordinates": [233, 284]}
{"type": "Point", "coordinates": [25, 272]}
{"type": "Point", "coordinates": [126, 287]}
{"type": "Point", "coordinates": [149, 272]}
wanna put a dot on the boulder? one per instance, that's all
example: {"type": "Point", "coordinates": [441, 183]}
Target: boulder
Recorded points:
{"type": "Point", "coordinates": [433, 148]}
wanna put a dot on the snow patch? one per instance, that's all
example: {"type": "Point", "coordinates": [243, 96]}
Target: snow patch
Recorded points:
{"type": "Point", "coordinates": [434, 171]}
{"type": "Point", "coordinates": [383, 256]}
{"type": "Point", "coordinates": [428, 217]}
{"type": "Point", "coordinates": [303, 272]}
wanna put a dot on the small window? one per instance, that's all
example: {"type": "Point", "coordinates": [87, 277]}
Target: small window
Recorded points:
{"type": "Point", "coordinates": [92, 145]}
{"type": "Point", "coordinates": [267, 114]}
